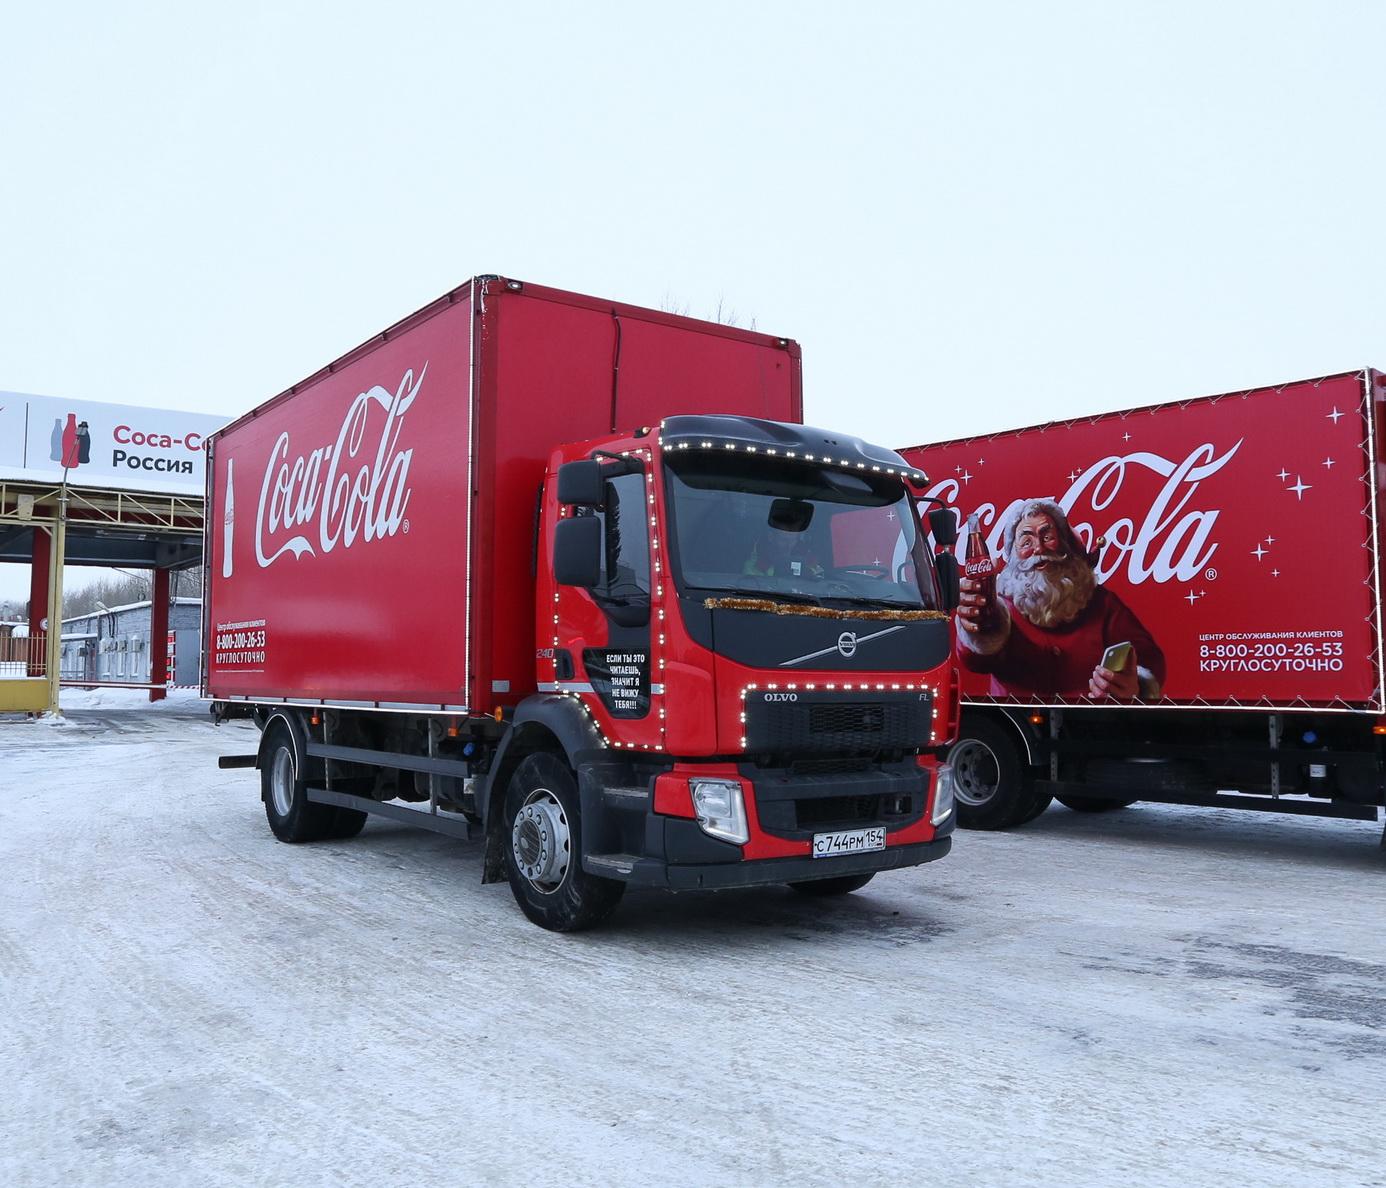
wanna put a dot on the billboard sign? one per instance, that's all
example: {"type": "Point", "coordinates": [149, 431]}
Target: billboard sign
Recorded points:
{"type": "Point", "coordinates": [127, 448]}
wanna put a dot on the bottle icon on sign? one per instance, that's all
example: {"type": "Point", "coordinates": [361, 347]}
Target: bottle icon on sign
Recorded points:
{"type": "Point", "coordinates": [71, 447]}
{"type": "Point", "coordinates": [228, 519]}
{"type": "Point", "coordinates": [55, 441]}
{"type": "Point", "coordinates": [977, 563]}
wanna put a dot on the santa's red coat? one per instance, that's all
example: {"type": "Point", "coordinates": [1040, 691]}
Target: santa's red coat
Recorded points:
{"type": "Point", "coordinates": [1058, 661]}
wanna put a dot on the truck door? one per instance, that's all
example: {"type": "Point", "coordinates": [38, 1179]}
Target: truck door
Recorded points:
{"type": "Point", "coordinates": [608, 627]}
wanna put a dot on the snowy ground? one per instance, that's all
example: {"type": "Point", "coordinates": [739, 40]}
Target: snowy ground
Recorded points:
{"type": "Point", "coordinates": [1159, 996]}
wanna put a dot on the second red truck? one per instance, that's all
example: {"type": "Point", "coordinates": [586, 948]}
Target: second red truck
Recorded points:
{"type": "Point", "coordinates": [1220, 560]}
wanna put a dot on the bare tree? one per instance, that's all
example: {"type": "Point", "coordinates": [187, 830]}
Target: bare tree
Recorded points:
{"type": "Point", "coordinates": [722, 313]}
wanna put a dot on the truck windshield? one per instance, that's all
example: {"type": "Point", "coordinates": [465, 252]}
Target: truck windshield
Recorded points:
{"type": "Point", "coordinates": [768, 529]}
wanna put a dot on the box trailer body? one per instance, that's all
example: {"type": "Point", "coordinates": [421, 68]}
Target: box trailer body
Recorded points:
{"type": "Point", "coordinates": [1236, 538]}
{"type": "Point", "coordinates": [387, 596]}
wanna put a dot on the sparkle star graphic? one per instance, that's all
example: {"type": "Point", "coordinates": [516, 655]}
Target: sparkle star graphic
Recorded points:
{"type": "Point", "coordinates": [1299, 486]}
{"type": "Point", "coordinates": [1275, 573]}
{"type": "Point", "coordinates": [1270, 540]}
{"type": "Point", "coordinates": [1125, 437]}
{"type": "Point", "coordinates": [1328, 463]}
{"type": "Point", "coordinates": [966, 477]}
{"type": "Point", "coordinates": [1335, 415]}
{"type": "Point", "coordinates": [957, 470]}
{"type": "Point", "coordinates": [1258, 552]}
{"type": "Point", "coordinates": [981, 461]}
{"type": "Point", "coordinates": [1283, 475]}
{"type": "Point", "coordinates": [1072, 474]}
{"type": "Point", "coordinates": [1192, 597]}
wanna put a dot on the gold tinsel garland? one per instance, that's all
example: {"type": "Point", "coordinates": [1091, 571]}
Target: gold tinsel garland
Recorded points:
{"type": "Point", "coordinates": [820, 612]}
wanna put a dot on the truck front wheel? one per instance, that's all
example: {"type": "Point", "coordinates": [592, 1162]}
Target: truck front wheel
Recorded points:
{"type": "Point", "coordinates": [543, 851]}
{"type": "Point", "coordinates": [991, 785]}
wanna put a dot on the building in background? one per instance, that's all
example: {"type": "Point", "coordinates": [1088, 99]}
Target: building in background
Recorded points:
{"type": "Point", "coordinates": [114, 645]}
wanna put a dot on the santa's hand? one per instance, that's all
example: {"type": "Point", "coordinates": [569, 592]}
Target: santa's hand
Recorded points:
{"type": "Point", "coordinates": [976, 612]}
{"type": "Point", "coordinates": [1118, 686]}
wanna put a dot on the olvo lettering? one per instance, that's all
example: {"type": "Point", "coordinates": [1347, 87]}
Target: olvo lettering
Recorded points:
{"type": "Point", "coordinates": [369, 504]}
{"type": "Point", "coordinates": [1171, 543]}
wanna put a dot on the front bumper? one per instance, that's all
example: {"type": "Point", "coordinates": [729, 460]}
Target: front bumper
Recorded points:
{"type": "Point", "coordinates": [652, 872]}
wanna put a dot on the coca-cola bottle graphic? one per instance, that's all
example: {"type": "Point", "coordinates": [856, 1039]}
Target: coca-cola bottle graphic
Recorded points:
{"type": "Point", "coordinates": [71, 446]}
{"type": "Point", "coordinates": [977, 563]}
{"type": "Point", "coordinates": [55, 441]}
{"type": "Point", "coordinates": [228, 519]}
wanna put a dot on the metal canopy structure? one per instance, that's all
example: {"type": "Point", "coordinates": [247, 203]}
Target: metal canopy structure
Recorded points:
{"type": "Point", "coordinates": [104, 527]}
{"type": "Point", "coordinates": [52, 524]}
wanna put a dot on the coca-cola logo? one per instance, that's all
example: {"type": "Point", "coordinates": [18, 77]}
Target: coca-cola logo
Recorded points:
{"type": "Point", "coordinates": [979, 567]}
{"type": "Point", "coordinates": [346, 501]}
{"type": "Point", "coordinates": [1170, 539]}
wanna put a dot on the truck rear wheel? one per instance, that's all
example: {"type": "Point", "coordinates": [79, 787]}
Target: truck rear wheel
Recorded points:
{"type": "Point", "coordinates": [292, 816]}
{"type": "Point", "coordinates": [543, 850]}
{"type": "Point", "coordinates": [842, 885]}
{"type": "Point", "coordinates": [1092, 804]}
{"type": "Point", "coordinates": [990, 783]}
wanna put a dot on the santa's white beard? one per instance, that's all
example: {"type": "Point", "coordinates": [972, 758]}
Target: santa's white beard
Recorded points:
{"type": "Point", "coordinates": [1050, 596]}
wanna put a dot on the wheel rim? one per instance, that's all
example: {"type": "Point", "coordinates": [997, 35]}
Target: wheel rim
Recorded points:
{"type": "Point", "coordinates": [541, 841]}
{"type": "Point", "coordinates": [976, 772]}
{"type": "Point", "coordinates": [282, 781]}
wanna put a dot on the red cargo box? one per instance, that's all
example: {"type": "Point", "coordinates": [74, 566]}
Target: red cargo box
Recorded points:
{"type": "Point", "coordinates": [1242, 532]}
{"type": "Point", "coordinates": [372, 528]}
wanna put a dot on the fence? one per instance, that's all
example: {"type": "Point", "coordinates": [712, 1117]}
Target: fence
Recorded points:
{"type": "Point", "coordinates": [23, 656]}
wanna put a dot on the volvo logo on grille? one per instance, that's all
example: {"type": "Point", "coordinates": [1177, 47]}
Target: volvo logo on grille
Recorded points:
{"type": "Point", "coordinates": [846, 645]}
{"type": "Point", "coordinates": [781, 697]}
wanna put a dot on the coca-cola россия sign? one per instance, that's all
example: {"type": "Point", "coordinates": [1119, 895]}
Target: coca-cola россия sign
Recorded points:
{"type": "Point", "coordinates": [1238, 532]}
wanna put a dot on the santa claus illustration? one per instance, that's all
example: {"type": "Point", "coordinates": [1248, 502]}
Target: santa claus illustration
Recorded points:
{"type": "Point", "coordinates": [1051, 625]}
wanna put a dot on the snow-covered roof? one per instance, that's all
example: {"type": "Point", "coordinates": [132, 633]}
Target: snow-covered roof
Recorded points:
{"type": "Point", "coordinates": [115, 610]}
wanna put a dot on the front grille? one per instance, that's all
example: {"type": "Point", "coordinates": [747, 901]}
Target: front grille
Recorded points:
{"type": "Point", "coordinates": [815, 767]}
{"type": "Point", "coordinates": [837, 722]}
{"type": "Point", "coordinates": [837, 810]}
{"type": "Point", "coordinates": [863, 717]}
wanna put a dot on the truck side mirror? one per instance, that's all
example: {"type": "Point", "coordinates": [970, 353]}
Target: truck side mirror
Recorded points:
{"type": "Point", "coordinates": [944, 527]}
{"type": "Point", "coordinates": [947, 565]}
{"type": "Point", "coordinates": [582, 483]}
{"type": "Point", "coordinates": [577, 549]}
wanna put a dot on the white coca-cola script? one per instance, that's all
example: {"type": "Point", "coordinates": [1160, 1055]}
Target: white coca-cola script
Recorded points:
{"type": "Point", "coordinates": [350, 502]}
{"type": "Point", "coordinates": [1167, 541]}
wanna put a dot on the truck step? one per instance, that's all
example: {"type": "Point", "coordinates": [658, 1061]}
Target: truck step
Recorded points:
{"type": "Point", "coordinates": [637, 797]}
{"type": "Point", "coordinates": [610, 864]}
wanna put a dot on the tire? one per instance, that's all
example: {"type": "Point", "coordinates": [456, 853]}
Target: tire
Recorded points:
{"type": "Point", "coordinates": [842, 885]}
{"type": "Point", "coordinates": [1093, 804]}
{"type": "Point", "coordinates": [543, 850]}
{"type": "Point", "coordinates": [292, 816]}
{"type": "Point", "coordinates": [1039, 801]}
{"type": "Point", "coordinates": [991, 785]}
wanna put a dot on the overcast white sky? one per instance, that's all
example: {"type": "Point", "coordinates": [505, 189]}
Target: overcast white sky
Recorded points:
{"type": "Point", "coordinates": [971, 216]}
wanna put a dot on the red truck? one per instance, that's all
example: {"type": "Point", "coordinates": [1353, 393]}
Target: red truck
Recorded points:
{"type": "Point", "coordinates": [571, 576]}
{"type": "Point", "coordinates": [1188, 607]}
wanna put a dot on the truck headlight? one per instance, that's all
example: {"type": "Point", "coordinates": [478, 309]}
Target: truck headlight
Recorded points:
{"type": "Point", "coordinates": [721, 810]}
{"type": "Point", "coordinates": [943, 794]}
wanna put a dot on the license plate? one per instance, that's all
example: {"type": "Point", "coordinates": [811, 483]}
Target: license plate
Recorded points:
{"type": "Point", "coordinates": [848, 841]}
